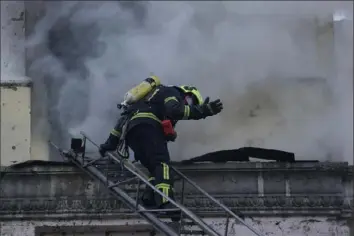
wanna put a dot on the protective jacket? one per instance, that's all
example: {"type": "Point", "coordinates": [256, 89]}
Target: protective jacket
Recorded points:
{"type": "Point", "coordinates": [164, 102]}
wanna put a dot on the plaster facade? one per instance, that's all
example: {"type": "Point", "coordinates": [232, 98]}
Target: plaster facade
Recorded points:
{"type": "Point", "coordinates": [19, 140]}
{"type": "Point", "coordinates": [15, 123]}
{"type": "Point", "coordinates": [13, 57]}
{"type": "Point", "coordinates": [274, 226]}
{"type": "Point", "coordinates": [15, 99]}
{"type": "Point", "coordinates": [276, 198]}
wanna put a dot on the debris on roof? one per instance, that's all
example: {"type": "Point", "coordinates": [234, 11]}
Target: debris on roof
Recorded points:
{"type": "Point", "coordinates": [234, 155]}
{"type": "Point", "coordinates": [243, 154]}
{"type": "Point", "coordinates": [39, 163]}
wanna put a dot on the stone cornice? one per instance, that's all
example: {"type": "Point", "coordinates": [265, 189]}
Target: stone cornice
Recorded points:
{"type": "Point", "coordinates": [270, 166]}
{"type": "Point", "coordinates": [246, 206]}
{"type": "Point", "coordinates": [60, 167]}
{"type": "Point", "coordinates": [24, 82]}
{"type": "Point", "coordinates": [256, 189]}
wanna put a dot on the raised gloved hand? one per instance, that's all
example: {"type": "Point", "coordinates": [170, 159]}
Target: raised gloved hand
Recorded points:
{"type": "Point", "coordinates": [211, 108]}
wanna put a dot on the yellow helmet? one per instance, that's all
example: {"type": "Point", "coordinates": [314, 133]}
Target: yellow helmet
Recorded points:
{"type": "Point", "coordinates": [194, 92]}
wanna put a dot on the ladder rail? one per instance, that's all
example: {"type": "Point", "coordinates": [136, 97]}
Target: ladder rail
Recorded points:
{"type": "Point", "coordinates": [217, 202]}
{"type": "Point", "coordinates": [138, 173]}
{"type": "Point", "coordinates": [124, 197]}
{"type": "Point", "coordinates": [142, 176]}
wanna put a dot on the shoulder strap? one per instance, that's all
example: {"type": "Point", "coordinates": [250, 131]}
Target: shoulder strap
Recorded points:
{"type": "Point", "coordinates": [152, 94]}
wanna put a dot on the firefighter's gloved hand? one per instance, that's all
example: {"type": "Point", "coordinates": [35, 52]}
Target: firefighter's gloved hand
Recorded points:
{"type": "Point", "coordinates": [211, 108]}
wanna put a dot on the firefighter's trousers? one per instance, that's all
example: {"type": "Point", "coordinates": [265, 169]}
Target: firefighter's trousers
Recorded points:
{"type": "Point", "coordinates": [150, 148]}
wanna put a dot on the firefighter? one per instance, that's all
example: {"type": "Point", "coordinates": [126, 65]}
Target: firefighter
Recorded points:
{"type": "Point", "coordinates": [148, 124]}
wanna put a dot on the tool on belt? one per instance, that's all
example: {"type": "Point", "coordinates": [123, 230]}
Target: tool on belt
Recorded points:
{"type": "Point", "coordinates": [169, 131]}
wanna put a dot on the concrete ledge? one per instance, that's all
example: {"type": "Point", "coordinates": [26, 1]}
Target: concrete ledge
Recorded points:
{"type": "Point", "coordinates": [276, 226]}
{"type": "Point", "coordinates": [16, 83]}
{"type": "Point", "coordinates": [54, 189]}
{"type": "Point", "coordinates": [39, 166]}
{"type": "Point", "coordinates": [31, 208]}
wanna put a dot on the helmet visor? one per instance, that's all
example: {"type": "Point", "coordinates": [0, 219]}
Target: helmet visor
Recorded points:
{"type": "Point", "coordinates": [190, 100]}
{"type": "Point", "coordinates": [192, 91]}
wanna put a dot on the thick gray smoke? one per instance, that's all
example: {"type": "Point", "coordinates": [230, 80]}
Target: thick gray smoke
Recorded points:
{"type": "Point", "coordinates": [269, 62]}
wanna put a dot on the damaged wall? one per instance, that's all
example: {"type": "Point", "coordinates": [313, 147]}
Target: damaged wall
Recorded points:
{"type": "Point", "coordinates": [272, 226]}
{"type": "Point", "coordinates": [15, 123]}
{"type": "Point", "coordinates": [15, 87]}
{"type": "Point", "coordinates": [13, 58]}
{"type": "Point", "coordinates": [298, 199]}
{"type": "Point", "coordinates": [21, 111]}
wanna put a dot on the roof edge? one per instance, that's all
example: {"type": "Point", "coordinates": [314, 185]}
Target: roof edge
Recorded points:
{"type": "Point", "coordinates": [40, 166]}
{"type": "Point", "coordinates": [14, 83]}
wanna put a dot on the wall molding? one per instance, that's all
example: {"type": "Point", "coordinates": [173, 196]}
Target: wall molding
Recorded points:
{"type": "Point", "coordinates": [61, 191]}
{"type": "Point", "coordinates": [246, 205]}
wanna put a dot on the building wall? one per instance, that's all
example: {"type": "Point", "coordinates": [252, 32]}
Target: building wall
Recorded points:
{"type": "Point", "coordinates": [15, 124]}
{"type": "Point", "coordinates": [12, 39]}
{"type": "Point", "coordinates": [315, 199]}
{"type": "Point", "coordinates": [343, 46]}
{"type": "Point", "coordinates": [15, 114]}
{"type": "Point", "coordinates": [18, 141]}
{"type": "Point", "coordinates": [275, 226]}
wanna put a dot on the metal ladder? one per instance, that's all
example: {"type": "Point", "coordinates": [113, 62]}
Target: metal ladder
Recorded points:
{"type": "Point", "coordinates": [95, 168]}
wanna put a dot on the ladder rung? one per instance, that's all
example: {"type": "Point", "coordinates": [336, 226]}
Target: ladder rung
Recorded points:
{"type": "Point", "coordinates": [91, 162]}
{"type": "Point", "coordinates": [102, 162]}
{"type": "Point", "coordinates": [192, 232]}
{"type": "Point", "coordinates": [122, 182]}
{"type": "Point", "coordinates": [108, 164]}
{"type": "Point", "coordinates": [188, 223]}
{"type": "Point", "coordinates": [161, 210]}
{"type": "Point", "coordinates": [116, 173]}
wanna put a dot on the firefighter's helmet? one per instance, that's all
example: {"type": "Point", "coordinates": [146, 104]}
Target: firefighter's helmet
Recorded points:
{"type": "Point", "coordinates": [193, 92]}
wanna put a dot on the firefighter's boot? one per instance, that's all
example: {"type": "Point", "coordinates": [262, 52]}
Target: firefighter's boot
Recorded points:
{"type": "Point", "coordinates": [164, 184]}
{"type": "Point", "coordinates": [148, 198]}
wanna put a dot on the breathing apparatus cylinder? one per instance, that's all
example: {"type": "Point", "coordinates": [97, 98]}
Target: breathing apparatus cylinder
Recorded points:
{"type": "Point", "coordinates": [141, 90]}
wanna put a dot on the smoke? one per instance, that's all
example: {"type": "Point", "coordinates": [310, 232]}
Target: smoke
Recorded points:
{"type": "Point", "coordinates": [267, 61]}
